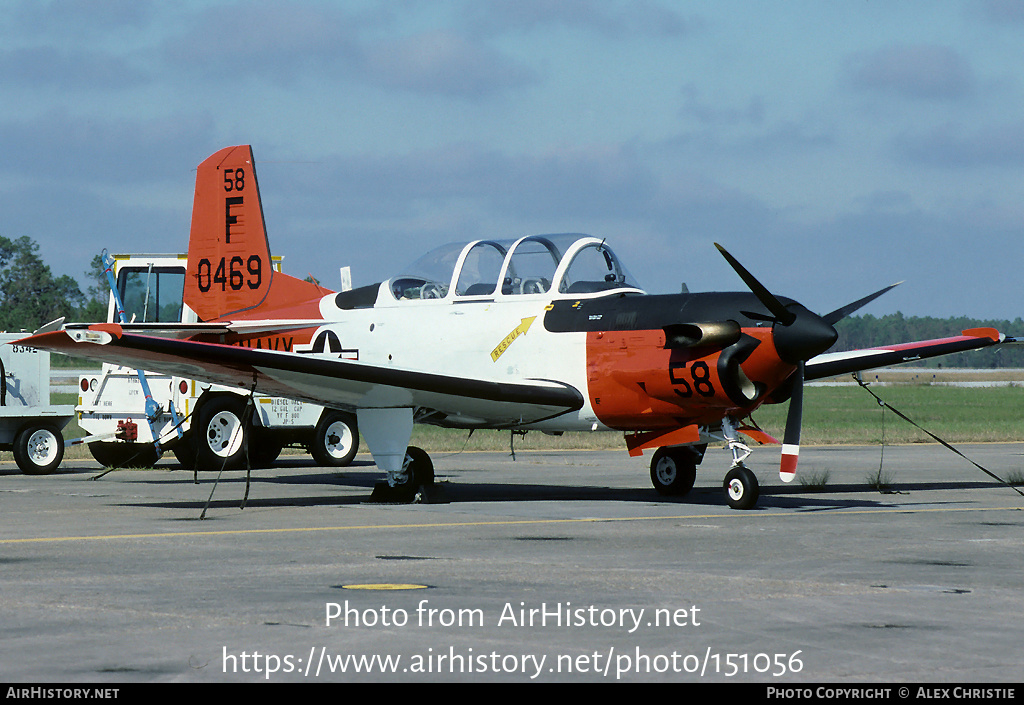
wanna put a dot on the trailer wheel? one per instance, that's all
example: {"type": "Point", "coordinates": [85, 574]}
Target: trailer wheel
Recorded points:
{"type": "Point", "coordinates": [221, 436]}
{"type": "Point", "coordinates": [38, 450]}
{"type": "Point", "coordinates": [335, 440]}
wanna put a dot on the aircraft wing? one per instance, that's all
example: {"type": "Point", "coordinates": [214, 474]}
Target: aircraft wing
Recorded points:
{"type": "Point", "coordinates": [832, 364]}
{"type": "Point", "coordinates": [319, 379]}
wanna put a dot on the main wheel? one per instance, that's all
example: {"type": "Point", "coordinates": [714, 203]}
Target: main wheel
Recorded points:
{"type": "Point", "coordinates": [38, 450]}
{"type": "Point", "coordinates": [741, 490]}
{"type": "Point", "coordinates": [673, 470]}
{"type": "Point", "coordinates": [335, 440]}
{"type": "Point", "coordinates": [417, 469]}
{"type": "Point", "coordinates": [413, 483]}
{"type": "Point", "coordinates": [221, 439]}
{"type": "Point", "coordinates": [124, 455]}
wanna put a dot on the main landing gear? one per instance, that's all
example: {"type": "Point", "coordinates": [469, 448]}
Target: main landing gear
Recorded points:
{"type": "Point", "coordinates": [410, 473]}
{"type": "Point", "coordinates": [674, 470]}
{"type": "Point", "coordinates": [413, 483]}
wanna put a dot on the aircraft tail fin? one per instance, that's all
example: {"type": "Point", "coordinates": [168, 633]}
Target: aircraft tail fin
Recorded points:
{"type": "Point", "coordinates": [230, 272]}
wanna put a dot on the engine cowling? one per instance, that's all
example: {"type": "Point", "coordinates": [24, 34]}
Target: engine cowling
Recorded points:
{"type": "Point", "coordinates": [648, 379]}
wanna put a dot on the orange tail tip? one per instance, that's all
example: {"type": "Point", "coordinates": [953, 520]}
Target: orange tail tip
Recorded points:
{"type": "Point", "coordinates": [230, 271]}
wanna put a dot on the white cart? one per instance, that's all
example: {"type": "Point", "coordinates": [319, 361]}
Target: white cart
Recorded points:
{"type": "Point", "coordinates": [29, 425]}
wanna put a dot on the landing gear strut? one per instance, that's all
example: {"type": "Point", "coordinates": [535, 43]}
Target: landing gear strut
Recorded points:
{"type": "Point", "coordinates": [741, 489]}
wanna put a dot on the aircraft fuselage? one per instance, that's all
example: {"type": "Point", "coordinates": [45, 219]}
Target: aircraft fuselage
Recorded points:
{"type": "Point", "coordinates": [640, 362]}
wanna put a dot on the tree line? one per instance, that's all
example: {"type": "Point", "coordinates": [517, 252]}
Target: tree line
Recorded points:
{"type": "Point", "coordinates": [32, 296]}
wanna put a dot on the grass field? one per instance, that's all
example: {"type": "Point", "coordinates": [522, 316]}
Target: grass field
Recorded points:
{"type": "Point", "coordinates": [955, 414]}
{"type": "Point", "coordinates": [832, 415]}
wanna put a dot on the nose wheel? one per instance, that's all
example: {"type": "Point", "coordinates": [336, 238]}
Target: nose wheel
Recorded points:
{"type": "Point", "coordinates": [741, 489]}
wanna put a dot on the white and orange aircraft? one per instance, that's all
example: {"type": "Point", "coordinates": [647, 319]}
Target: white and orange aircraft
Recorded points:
{"type": "Point", "coordinates": [544, 332]}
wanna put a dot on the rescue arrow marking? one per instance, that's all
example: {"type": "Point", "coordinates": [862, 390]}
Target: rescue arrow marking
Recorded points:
{"type": "Point", "coordinates": [511, 337]}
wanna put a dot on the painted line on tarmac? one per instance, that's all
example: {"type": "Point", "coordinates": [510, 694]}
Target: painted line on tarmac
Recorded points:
{"type": "Point", "coordinates": [380, 587]}
{"type": "Point", "coordinates": [512, 522]}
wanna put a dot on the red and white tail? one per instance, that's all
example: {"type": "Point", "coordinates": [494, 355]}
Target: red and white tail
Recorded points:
{"type": "Point", "coordinates": [230, 272]}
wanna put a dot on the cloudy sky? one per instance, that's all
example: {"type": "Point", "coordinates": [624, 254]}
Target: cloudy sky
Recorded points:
{"type": "Point", "coordinates": [832, 147]}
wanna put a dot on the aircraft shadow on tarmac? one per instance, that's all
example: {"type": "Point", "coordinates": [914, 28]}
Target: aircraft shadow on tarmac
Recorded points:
{"type": "Point", "coordinates": [231, 488]}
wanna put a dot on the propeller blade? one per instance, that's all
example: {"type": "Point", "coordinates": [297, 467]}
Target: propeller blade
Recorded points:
{"type": "Point", "coordinates": [794, 419]}
{"type": "Point", "coordinates": [841, 313]}
{"type": "Point", "coordinates": [782, 314]}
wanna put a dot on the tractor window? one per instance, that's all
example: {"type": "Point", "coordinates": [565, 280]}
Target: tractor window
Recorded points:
{"type": "Point", "coordinates": [151, 294]}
